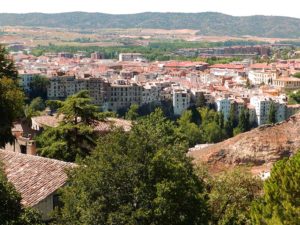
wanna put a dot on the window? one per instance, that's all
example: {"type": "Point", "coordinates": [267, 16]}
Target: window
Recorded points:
{"type": "Point", "coordinates": [23, 149]}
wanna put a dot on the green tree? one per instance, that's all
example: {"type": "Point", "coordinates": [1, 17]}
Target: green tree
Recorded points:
{"type": "Point", "coordinates": [188, 130]}
{"type": "Point", "coordinates": [201, 100]}
{"type": "Point", "coordinates": [74, 137]}
{"type": "Point", "coordinates": [244, 123]}
{"type": "Point", "coordinates": [140, 177]}
{"type": "Point", "coordinates": [7, 67]}
{"type": "Point", "coordinates": [231, 122]}
{"type": "Point", "coordinates": [132, 113]}
{"type": "Point", "coordinates": [11, 108]}
{"type": "Point", "coordinates": [231, 196]}
{"type": "Point", "coordinates": [272, 113]}
{"type": "Point", "coordinates": [280, 202]}
{"type": "Point", "coordinates": [38, 87]}
{"type": "Point", "coordinates": [211, 126]}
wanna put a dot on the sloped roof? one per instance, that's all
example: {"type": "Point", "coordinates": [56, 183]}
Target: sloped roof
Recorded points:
{"type": "Point", "coordinates": [34, 177]}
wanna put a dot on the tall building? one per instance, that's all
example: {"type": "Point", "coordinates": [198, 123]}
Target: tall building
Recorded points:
{"type": "Point", "coordinates": [181, 100]}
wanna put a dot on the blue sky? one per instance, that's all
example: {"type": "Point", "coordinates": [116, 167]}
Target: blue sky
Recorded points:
{"type": "Point", "coordinates": [232, 7]}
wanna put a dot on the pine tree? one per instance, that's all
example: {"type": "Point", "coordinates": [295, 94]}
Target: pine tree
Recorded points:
{"type": "Point", "coordinates": [272, 113]}
{"type": "Point", "coordinates": [280, 202]}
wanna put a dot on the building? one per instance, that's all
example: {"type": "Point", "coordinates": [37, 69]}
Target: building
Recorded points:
{"type": "Point", "coordinates": [125, 57]}
{"type": "Point", "coordinates": [223, 105]}
{"type": "Point", "coordinates": [181, 100]}
{"type": "Point", "coordinates": [287, 83]}
{"type": "Point", "coordinates": [26, 77]}
{"type": "Point", "coordinates": [121, 94]}
{"type": "Point", "coordinates": [97, 55]}
{"type": "Point", "coordinates": [262, 77]}
{"type": "Point", "coordinates": [262, 109]}
{"type": "Point", "coordinates": [63, 86]}
{"type": "Point", "coordinates": [37, 179]}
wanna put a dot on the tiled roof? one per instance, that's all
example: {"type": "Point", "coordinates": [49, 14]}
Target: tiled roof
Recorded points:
{"type": "Point", "coordinates": [34, 177]}
{"type": "Point", "coordinates": [106, 126]}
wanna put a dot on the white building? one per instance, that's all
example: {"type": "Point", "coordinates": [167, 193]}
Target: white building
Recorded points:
{"type": "Point", "coordinates": [150, 93]}
{"type": "Point", "coordinates": [181, 100]}
{"type": "Point", "coordinates": [262, 76]}
{"type": "Point", "coordinates": [223, 105]}
{"type": "Point", "coordinates": [130, 57]}
{"type": "Point", "coordinates": [26, 77]}
{"type": "Point", "coordinates": [262, 109]}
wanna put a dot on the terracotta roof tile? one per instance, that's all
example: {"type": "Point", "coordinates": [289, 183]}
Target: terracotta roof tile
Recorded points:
{"type": "Point", "coordinates": [34, 177]}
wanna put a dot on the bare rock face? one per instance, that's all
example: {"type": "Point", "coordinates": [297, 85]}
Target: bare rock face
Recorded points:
{"type": "Point", "coordinates": [261, 146]}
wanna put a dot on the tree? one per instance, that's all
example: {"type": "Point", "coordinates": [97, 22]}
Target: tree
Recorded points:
{"type": "Point", "coordinates": [280, 202]}
{"type": "Point", "coordinates": [272, 114]}
{"type": "Point", "coordinates": [11, 108]}
{"type": "Point", "coordinates": [132, 113]}
{"type": "Point", "coordinates": [38, 87]}
{"type": "Point", "coordinates": [188, 130]}
{"type": "Point", "coordinates": [7, 67]}
{"type": "Point", "coordinates": [231, 122]}
{"type": "Point", "coordinates": [11, 210]}
{"type": "Point", "coordinates": [141, 177]}
{"type": "Point", "coordinates": [231, 196]}
{"type": "Point", "coordinates": [74, 137]}
{"type": "Point", "coordinates": [78, 108]}
{"type": "Point", "coordinates": [10, 207]}
{"type": "Point", "coordinates": [201, 100]}
{"type": "Point", "coordinates": [211, 126]}
{"type": "Point", "coordinates": [244, 123]}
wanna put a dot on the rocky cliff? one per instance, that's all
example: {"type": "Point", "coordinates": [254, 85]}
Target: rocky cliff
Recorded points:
{"type": "Point", "coordinates": [259, 148]}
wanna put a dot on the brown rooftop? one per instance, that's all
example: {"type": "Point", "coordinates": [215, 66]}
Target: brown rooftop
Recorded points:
{"type": "Point", "coordinates": [34, 177]}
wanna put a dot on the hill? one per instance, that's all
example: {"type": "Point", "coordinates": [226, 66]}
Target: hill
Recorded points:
{"type": "Point", "coordinates": [259, 148]}
{"type": "Point", "coordinates": [208, 23]}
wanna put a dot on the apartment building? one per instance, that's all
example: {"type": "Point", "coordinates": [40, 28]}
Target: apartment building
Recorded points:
{"type": "Point", "coordinates": [26, 77]}
{"type": "Point", "coordinates": [223, 105]}
{"type": "Point", "coordinates": [130, 57]}
{"type": "Point", "coordinates": [63, 86]}
{"type": "Point", "coordinates": [121, 94]}
{"type": "Point", "coordinates": [259, 77]}
{"type": "Point", "coordinates": [262, 109]}
{"type": "Point", "coordinates": [151, 93]}
{"type": "Point", "coordinates": [181, 100]}
{"type": "Point", "coordinates": [287, 83]}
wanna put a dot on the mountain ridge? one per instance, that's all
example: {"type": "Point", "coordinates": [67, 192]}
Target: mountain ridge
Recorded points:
{"type": "Point", "coordinates": [208, 23]}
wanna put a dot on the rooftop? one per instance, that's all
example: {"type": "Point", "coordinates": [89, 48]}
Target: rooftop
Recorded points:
{"type": "Point", "coordinates": [34, 177]}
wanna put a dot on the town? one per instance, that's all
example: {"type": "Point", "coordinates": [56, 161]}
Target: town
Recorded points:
{"type": "Point", "coordinates": [149, 118]}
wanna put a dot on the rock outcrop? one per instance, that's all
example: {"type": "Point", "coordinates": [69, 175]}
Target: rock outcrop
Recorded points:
{"type": "Point", "coordinates": [260, 147]}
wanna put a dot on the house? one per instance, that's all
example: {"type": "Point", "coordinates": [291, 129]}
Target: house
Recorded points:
{"type": "Point", "coordinates": [37, 179]}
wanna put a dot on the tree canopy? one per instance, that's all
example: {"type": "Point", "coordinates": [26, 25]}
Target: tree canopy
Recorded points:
{"type": "Point", "coordinates": [140, 177]}
{"type": "Point", "coordinates": [74, 137]}
{"type": "Point", "coordinates": [280, 203]}
{"type": "Point", "coordinates": [11, 108]}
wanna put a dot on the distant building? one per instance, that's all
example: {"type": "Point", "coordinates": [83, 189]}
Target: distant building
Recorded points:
{"type": "Point", "coordinates": [97, 55]}
{"type": "Point", "coordinates": [26, 77]}
{"type": "Point", "coordinates": [121, 94]}
{"type": "Point", "coordinates": [123, 57]}
{"type": "Point", "coordinates": [181, 100]}
{"type": "Point", "coordinates": [63, 86]}
{"type": "Point", "coordinates": [287, 83]}
{"type": "Point", "coordinates": [223, 105]}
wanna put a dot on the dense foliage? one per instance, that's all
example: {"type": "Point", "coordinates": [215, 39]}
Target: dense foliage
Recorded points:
{"type": "Point", "coordinates": [280, 203]}
{"type": "Point", "coordinates": [74, 136]}
{"type": "Point", "coordinates": [141, 177]}
{"type": "Point", "coordinates": [11, 98]}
